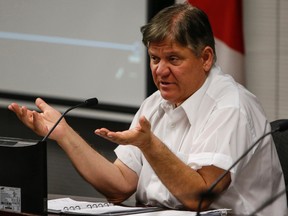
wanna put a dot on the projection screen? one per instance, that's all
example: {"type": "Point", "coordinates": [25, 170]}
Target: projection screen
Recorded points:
{"type": "Point", "coordinates": [74, 49]}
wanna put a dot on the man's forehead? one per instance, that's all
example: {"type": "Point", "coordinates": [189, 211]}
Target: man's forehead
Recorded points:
{"type": "Point", "coordinates": [166, 46]}
{"type": "Point", "coordinates": [165, 42]}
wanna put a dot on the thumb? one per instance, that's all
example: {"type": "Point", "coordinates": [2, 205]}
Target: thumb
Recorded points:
{"type": "Point", "coordinates": [144, 123]}
{"type": "Point", "coordinates": [41, 104]}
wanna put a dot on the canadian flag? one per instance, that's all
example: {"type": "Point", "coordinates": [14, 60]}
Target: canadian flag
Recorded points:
{"type": "Point", "coordinates": [226, 20]}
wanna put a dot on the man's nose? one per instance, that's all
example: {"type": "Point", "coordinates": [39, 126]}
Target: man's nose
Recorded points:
{"type": "Point", "coordinates": [162, 68]}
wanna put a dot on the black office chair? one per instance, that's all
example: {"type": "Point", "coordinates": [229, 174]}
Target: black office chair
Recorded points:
{"type": "Point", "coordinates": [281, 143]}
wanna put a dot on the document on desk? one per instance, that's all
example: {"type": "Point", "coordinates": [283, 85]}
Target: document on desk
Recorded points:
{"type": "Point", "coordinates": [73, 207]}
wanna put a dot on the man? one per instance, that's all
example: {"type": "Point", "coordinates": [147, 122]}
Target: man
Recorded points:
{"type": "Point", "coordinates": [185, 135]}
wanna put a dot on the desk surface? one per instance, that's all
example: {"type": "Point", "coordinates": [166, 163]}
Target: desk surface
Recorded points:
{"type": "Point", "coordinates": [94, 199]}
{"type": "Point", "coordinates": [131, 202]}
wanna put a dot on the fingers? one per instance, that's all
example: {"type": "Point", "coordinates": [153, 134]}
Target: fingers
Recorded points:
{"type": "Point", "coordinates": [102, 132]}
{"type": "Point", "coordinates": [21, 112]}
{"type": "Point", "coordinates": [39, 127]}
{"type": "Point", "coordinates": [14, 107]}
{"type": "Point", "coordinates": [116, 137]}
{"type": "Point", "coordinates": [138, 136]}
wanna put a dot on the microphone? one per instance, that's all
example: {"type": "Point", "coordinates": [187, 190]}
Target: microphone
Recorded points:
{"type": "Point", "coordinates": [87, 103]}
{"type": "Point", "coordinates": [208, 193]}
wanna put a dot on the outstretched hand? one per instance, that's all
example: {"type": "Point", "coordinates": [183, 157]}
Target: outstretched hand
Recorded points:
{"type": "Point", "coordinates": [39, 122]}
{"type": "Point", "coordinates": [140, 136]}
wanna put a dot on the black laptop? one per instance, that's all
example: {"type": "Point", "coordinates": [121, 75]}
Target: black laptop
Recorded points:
{"type": "Point", "coordinates": [23, 175]}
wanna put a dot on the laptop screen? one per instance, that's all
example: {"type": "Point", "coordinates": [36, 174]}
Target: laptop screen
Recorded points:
{"type": "Point", "coordinates": [23, 175]}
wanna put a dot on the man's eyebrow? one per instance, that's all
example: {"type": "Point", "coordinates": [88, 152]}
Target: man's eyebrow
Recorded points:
{"type": "Point", "coordinates": [172, 53]}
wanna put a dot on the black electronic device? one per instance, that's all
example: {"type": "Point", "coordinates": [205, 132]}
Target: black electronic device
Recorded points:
{"type": "Point", "coordinates": [23, 175]}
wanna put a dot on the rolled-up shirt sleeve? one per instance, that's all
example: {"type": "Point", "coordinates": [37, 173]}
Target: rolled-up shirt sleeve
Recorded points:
{"type": "Point", "coordinates": [130, 156]}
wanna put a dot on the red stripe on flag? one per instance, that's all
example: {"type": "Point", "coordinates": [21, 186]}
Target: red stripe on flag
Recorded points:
{"type": "Point", "coordinates": [226, 20]}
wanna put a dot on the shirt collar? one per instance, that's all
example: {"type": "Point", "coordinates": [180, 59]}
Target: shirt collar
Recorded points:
{"type": "Point", "coordinates": [192, 104]}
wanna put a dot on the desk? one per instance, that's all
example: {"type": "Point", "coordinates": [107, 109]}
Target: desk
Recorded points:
{"type": "Point", "coordinates": [7, 213]}
{"type": "Point", "coordinates": [55, 196]}
{"type": "Point", "coordinates": [164, 212]}
{"type": "Point", "coordinates": [128, 203]}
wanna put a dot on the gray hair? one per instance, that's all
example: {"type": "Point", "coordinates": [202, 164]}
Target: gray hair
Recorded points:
{"type": "Point", "coordinates": [183, 23]}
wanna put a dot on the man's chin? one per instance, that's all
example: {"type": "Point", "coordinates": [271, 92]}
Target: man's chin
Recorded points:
{"type": "Point", "coordinates": [167, 97]}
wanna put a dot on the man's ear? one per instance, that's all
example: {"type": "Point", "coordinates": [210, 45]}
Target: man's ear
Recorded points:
{"type": "Point", "coordinates": [208, 58]}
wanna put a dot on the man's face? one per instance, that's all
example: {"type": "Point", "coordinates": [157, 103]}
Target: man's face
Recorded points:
{"type": "Point", "coordinates": [176, 71]}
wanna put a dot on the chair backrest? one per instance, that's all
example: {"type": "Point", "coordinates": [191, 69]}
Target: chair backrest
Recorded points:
{"type": "Point", "coordinates": [281, 143]}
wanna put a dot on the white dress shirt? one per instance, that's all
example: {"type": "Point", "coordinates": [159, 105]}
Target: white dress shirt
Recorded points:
{"type": "Point", "coordinates": [212, 127]}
